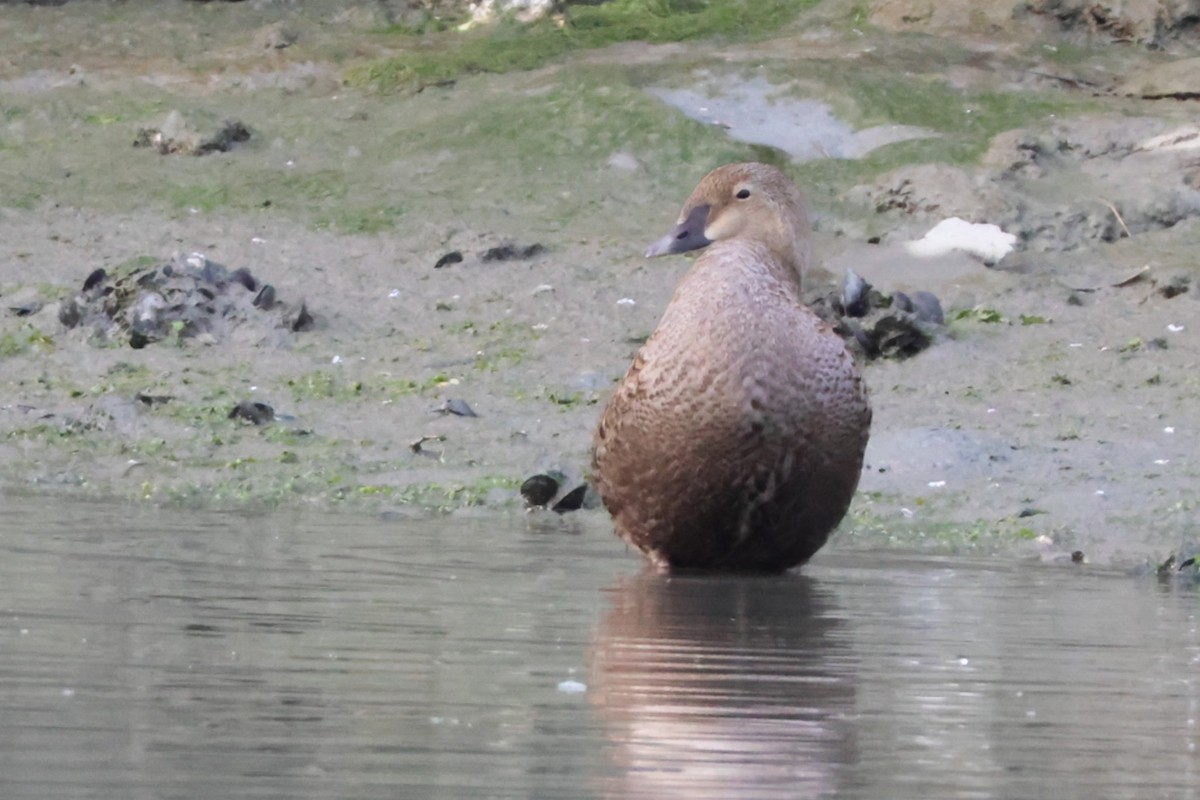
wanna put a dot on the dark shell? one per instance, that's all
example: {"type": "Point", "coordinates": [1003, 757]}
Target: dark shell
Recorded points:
{"type": "Point", "coordinates": [572, 500]}
{"type": "Point", "coordinates": [93, 280]}
{"type": "Point", "coordinates": [458, 408]}
{"type": "Point", "coordinates": [512, 252]}
{"type": "Point", "coordinates": [453, 257]}
{"type": "Point", "coordinates": [539, 490]}
{"type": "Point", "coordinates": [265, 298]}
{"type": "Point", "coordinates": [304, 320]}
{"type": "Point", "coordinates": [855, 295]}
{"type": "Point", "coordinates": [26, 308]}
{"type": "Point", "coordinates": [928, 308]}
{"type": "Point", "coordinates": [252, 411]}
{"type": "Point", "coordinates": [242, 275]}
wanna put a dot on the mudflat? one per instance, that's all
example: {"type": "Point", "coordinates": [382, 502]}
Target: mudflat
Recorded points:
{"type": "Point", "coordinates": [468, 233]}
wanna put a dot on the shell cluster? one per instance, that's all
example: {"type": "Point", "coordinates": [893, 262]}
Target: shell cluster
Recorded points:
{"type": "Point", "coordinates": [187, 297]}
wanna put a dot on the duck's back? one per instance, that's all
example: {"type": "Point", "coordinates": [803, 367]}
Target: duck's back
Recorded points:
{"type": "Point", "coordinates": [736, 438]}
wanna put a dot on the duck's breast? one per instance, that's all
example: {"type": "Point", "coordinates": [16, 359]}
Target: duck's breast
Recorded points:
{"type": "Point", "coordinates": [740, 392]}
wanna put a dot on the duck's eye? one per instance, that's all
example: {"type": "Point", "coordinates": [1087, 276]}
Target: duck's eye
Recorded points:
{"type": "Point", "coordinates": [742, 194]}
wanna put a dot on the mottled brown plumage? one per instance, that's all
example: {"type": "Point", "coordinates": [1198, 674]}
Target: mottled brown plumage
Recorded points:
{"type": "Point", "coordinates": [736, 438]}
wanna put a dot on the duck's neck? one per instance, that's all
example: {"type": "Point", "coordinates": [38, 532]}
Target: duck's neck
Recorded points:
{"type": "Point", "coordinates": [785, 267]}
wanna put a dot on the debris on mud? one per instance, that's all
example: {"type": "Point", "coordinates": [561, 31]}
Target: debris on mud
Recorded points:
{"type": "Point", "coordinates": [512, 252]}
{"type": "Point", "coordinates": [178, 136]}
{"type": "Point", "coordinates": [876, 325]}
{"type": "Point", "coordinates": [417, 446]}
{"type": "Point", "coordinates": [185, 298]}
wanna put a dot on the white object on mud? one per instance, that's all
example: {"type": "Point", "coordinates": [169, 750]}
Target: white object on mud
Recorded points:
{"type": "Point", "coordinates": [572, 687]}
{"type": "Point", "coordinates": [982, 240]}
{"type": "Point", "coordinates": [520, 10]}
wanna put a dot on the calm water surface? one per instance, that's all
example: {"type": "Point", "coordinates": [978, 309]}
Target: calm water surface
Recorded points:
{"type": "Point", "coordinates": [181, 655]}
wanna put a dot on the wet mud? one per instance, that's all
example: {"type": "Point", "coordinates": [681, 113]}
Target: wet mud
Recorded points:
{"type": "Point", "coordinates": [475, 243]}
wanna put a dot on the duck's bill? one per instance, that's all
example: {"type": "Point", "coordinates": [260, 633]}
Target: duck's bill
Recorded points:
{"type": "Point", "coordinates": [687, 235]}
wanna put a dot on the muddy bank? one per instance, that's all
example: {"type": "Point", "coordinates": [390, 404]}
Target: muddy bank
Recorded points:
{"type": "Point", "coordinates": [1050, 415]}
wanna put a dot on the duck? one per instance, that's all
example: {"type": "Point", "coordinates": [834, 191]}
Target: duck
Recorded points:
{"type": "Point", "coordinates": [735, 440]}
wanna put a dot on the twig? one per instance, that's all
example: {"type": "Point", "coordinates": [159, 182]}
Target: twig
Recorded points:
{"type": "Point", "coordinates": [1117, 214]}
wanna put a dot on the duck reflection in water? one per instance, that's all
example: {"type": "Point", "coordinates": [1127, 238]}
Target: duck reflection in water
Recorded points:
{"type": "Point", "coordinates": [723, 687]}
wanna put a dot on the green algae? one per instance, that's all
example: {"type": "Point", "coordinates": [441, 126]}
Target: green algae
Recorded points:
{"type": "Point", "coordinates": [327, 385]}
{"type": "Point", "coordinates": [25, 340]}
{"type": "Point", "coordinates": [873, 523]}
{"type": "Point", "coordinates": [359, 219]}
{"type": "Point", "coordinates": [509, 46]}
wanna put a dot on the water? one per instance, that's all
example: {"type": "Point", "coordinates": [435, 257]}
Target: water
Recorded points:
{"type": "Point", "coordinates": [759, 112]}
{"type": "Point", "coordinates": [181, 655]}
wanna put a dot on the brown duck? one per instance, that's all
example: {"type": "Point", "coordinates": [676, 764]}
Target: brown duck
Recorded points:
{"type": "Point", "coordinates": [736, 438]}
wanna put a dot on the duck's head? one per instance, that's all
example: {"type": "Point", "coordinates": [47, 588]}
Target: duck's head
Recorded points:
{"type": "Point", "coordinates": [747, 201]}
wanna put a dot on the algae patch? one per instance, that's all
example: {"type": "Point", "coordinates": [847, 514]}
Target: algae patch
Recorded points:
{"type": "Point", "coordinates": [509, 46]}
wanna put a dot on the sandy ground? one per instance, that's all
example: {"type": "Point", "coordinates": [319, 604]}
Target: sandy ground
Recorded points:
{"type": "Point", "coordinates": [1056, 412]}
